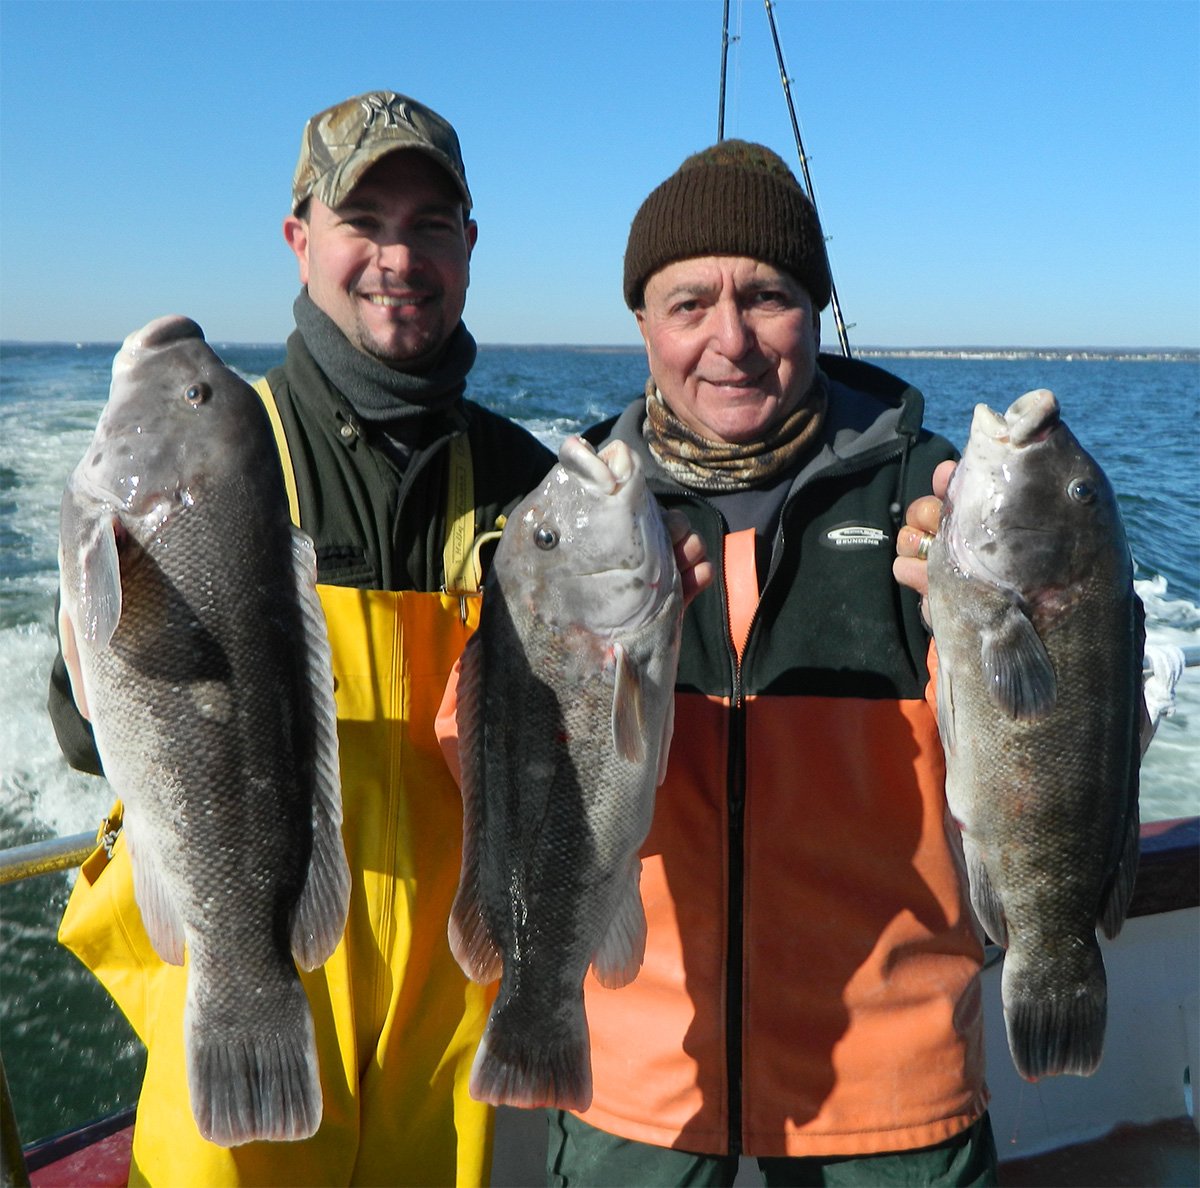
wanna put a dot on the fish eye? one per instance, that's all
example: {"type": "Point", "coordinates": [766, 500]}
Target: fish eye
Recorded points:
{"type": "Point", "coordinates": [545, 537]}
{"type": "Point", "coordinates": [197, 393]}
{"type": "Point", "coordinates": [1081, 491]}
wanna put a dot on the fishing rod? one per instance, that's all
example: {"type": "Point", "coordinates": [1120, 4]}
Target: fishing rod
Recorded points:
{"type": "Point", "coordinates": [835, 305]}
{"type": "Point", "coordinates": [724, 60]}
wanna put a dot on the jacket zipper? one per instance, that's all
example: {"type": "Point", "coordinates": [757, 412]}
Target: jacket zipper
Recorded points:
{"type": "Point", "coordinates": [734, 972]}
{"type": "Point", "coordinates": [736, 801]}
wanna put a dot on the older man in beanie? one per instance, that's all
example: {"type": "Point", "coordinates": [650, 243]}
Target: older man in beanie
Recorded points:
{"type": "Point", "coordinates": [395, 475]}
{"type": "Point", "coordinates": [810, 988]}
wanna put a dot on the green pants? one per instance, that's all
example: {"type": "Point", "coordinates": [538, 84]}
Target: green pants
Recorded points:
{"type": "Point", "coordinates": [580, 1156]}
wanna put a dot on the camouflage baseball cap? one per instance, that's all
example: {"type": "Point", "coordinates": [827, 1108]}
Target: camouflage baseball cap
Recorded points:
{"type": "Point", "coordinates": [341, 143]}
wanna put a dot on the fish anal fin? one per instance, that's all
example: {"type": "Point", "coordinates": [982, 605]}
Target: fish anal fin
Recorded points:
{"type": "Point", "coordinates": [162, 921]}
{"type": "Point", "coordinates": [628, 715]}
{"type": "Point", "coordinates": [1017, 669]}
{"type": "Point", "coordinates": [319, 918]}
{"type": "Point", "coordinates": [1119, 891]}
{"type": "Point", "coordinates": [988, 908]}
{"type": "Point", "coordinates": [623, 948]}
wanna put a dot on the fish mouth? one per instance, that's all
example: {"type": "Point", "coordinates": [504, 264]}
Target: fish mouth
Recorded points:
{"type": "Point", "coordinates": [154, 335]}
{"type": "Point", "coordinates": [607, 471]}
{"type": "Point", "coordinates": [1029, 419]}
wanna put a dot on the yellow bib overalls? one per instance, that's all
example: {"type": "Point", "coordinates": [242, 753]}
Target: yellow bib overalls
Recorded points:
{"type": "Point", "coordinates": [396, 1022]}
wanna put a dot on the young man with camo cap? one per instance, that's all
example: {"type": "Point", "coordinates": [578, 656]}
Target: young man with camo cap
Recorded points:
{"type": "Point", "coordinates": [810, 993]}
{"type": "Point", "coordinates": [395, 475]}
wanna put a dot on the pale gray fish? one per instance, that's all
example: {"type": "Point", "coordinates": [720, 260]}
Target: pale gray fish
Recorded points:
{"type": "Point", "coordinates": [565, 712]}
{"type": "Point", "coordinates": [1039, 651]}
{"type": "Point", "coordinates": [206, 669]}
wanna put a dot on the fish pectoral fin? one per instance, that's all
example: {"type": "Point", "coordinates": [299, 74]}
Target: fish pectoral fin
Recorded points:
{"type": "Point", "coordinates": [1016, 668]}
{"type": "Point", "coordinates": [664, 746]}
{"type": "Point", "coordinates": [100, 578]}
{"type": "Point", "coordinates": [623, 948]}
{"type": "Point", "coordinates": [628, 716]}
{"type": "Point", "coordinates": [160, 918]}
{"type": "Point", "coordinates": [945, 709]}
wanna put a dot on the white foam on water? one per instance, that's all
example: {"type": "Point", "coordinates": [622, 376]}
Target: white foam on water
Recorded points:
{"type": "Point", "coordinates": [1170, 784]}
{"type": "Point", "coordinates": [39, 793]}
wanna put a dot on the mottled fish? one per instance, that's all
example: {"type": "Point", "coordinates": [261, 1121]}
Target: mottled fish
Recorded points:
{"type": "Point", "coordinates": [1038, 689]}
{"type": "Point", "coordinates": [565, 713]}
{"type": "Point", "coordinates": [206, 671]}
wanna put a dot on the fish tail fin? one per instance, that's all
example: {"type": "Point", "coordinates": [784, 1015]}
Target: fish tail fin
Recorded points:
{"type": "Point", "coordinates": [534, 1062]}
{"type": "Point", "coordinates": [1056, 1012]}
{"type": "Point", "coordinates": [248, 1084]}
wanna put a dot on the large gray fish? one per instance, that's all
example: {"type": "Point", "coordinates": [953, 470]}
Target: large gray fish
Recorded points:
{"type": "Point", "coordinates": [1039, 684]}
{"type": "Point", "coordinates": [565, 712]}
{"type": "Point", "coordinates": [206, 671]}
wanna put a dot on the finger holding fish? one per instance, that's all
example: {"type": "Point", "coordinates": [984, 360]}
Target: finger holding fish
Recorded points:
{"type": "Point", "coordinates": [913, 541]}
{"type": "Point", "coordinates": [696, 571]}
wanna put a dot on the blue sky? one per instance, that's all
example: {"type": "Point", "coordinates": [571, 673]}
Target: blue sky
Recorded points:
{"type": "Point", "coordinates": [989, 173]}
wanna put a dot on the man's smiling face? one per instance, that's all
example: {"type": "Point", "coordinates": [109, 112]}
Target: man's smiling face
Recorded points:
{"type": "Point", "coordinates": [390, 265]}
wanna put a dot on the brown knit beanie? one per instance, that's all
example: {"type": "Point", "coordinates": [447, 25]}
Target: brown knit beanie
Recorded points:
{"type": "Point", "coordinates": [733, 199]}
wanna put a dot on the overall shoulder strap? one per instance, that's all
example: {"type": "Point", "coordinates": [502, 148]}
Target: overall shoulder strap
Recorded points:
{"type": "Point", "coordinates": [460, 562]}
{"type": "Point", "coordinates": [285, 457]}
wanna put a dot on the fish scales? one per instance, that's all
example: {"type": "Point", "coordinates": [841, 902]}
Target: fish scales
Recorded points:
{"type": "Point", "coordinates": [206, 671]}
{"type": "Point", "coordinates": [1038, 687]}
{"type": "Point", "coordinates": [565, 714]}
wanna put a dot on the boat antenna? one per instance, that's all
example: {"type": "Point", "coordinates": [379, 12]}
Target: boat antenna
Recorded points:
{"type": "Point", "coordinates": [724, 60]}
{"type": "Point", "coordinates": [835, 305]}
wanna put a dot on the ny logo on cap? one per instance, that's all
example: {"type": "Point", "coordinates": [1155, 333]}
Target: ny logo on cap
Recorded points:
{"type": "Point", "coordinates": [391, 110]}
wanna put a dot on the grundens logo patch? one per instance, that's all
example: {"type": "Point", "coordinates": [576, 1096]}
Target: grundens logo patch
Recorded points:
{"type": "Point", "coordinates": [855, 536]}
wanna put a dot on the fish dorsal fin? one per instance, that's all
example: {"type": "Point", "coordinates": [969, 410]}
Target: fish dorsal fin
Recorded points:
{"type": "Point", "coordinates": [159, 915]}
{"type": "Point", "coordinates": [100, 597]}
{"type": "Point", "coordinates": [471, 940]}
{"type": "Point", "coordinates": [628, 716]}
{"type": "Point", "coordinates": [1016, 667]}
{"type": "Point", "coordinates": [320, 915]}
{"type": "Point", "coordinates": [623, 949]}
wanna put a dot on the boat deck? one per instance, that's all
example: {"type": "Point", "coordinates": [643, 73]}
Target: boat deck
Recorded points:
{"type": "Point", "coordinates": [1161, 1154]}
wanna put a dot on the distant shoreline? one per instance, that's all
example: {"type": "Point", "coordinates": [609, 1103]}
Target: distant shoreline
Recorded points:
{"type": "Point", "coordinates": [1099, 354]}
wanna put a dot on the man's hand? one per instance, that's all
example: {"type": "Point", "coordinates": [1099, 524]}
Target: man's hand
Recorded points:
{"type": "Point", "coordinates": [695, 570]}
{"type": "Point", "coordinates": [920, 527]}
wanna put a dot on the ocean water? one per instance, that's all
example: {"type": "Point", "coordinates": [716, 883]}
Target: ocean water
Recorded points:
{"type": "Point", "coordinates": [1137, 416]}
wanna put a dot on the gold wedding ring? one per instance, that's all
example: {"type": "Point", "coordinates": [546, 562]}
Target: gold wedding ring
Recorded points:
{"type": "Point", "coordinates": [923, 547]}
